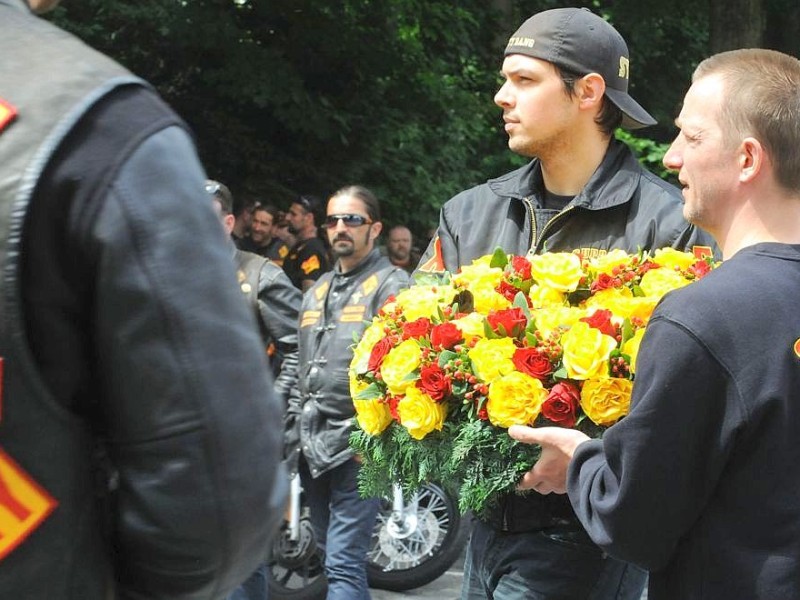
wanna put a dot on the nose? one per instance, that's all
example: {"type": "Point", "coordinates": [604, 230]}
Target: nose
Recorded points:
{"type": "Point", "coordinates": [673, 159]}
{"type": "Point", "coordinates": [503, 97]}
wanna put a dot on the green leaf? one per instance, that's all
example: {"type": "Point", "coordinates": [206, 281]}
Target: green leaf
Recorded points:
{"type": "Point", "coordinates": [499, 258]}
{"type": "Point", "coordinates": [371, 392]}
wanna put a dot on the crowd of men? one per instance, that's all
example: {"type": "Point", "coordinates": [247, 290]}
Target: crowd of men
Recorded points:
{"type": "Point", "coordinates": [166, 354]}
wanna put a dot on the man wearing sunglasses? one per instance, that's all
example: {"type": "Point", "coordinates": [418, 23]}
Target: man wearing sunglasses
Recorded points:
{"type": "Point", "coordinates": [334, 313]}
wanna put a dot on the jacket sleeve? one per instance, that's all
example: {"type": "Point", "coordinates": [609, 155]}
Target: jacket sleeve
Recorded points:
{"type": "Point", "coordinates": [279, 306]}
{"type": "Point", "coordinates": [442, 252]}
{"type": "Point", "coordinates": [641, 488]}
{"type": "Point", "coordinates": [183, 383]}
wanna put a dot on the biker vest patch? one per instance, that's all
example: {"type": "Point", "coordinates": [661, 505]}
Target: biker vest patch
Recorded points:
{"type": "Point", "coordinates": [23, 504]}
{"type": "Point", "coordinates": [7, 114]}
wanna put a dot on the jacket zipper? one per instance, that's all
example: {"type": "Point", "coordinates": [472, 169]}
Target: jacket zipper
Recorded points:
{"type": "Point", "coordinates": [532, 245]}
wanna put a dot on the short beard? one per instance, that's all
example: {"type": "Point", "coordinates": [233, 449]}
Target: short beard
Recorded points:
{"type": "Point", "coordinates": [343, 250]}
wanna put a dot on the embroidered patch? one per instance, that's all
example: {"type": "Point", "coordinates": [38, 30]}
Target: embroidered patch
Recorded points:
{"type": "Point", "coordinates": [7, 114]}
{"type": "Point", "coordinates": [797, 348]}
{"type": "Point", "coordinates": [310, 265]}
{"type": "Point", "coordinates": [701, 252]}
{"type": "Point", "coordinates": [23, 505]}
{"type": "Point", "coordinates": [435, 264]}
{"type": "Point", "coordinates": [370, 285]}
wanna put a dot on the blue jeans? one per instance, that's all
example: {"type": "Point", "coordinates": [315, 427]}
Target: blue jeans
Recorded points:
{"type": "Point", "coordinates": [343, 524]}
{"type": "Point", "coordinates": [255, 587]}
{"type": "Point", "coordinates": [544, 565]}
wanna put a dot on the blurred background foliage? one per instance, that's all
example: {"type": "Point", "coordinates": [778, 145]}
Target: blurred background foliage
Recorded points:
{"type": "Point", "coordinates": [306, 96]}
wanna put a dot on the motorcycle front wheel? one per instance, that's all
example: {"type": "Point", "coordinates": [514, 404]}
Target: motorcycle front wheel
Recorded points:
{"type": "Point", "coordinates": [412, 549]}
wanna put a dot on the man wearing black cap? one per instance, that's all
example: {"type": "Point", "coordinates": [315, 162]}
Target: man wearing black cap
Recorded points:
{"type": "Point", "coordinates": [565, 92]}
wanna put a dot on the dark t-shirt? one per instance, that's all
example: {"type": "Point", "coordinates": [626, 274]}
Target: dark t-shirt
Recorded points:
{"type": "Point", "coordinates": [308, 259]}
{"type": "Point", "coordinates": [276, 250]}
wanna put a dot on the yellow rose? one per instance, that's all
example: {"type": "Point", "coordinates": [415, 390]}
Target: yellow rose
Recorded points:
{"type": "Point", "coordinates": [481, 280]}
{"type": "Point", "coordinates": [673, 259]}
{"type": "Point", "coordinates": [423, 300]}
{"type": "Point", "coordinates": [419, 413]}
{"type": "Point", "coordinates": [487, 298]}
{"type": "Point", "coordinates": [558, 270]}
{"type": "Point", "coordinates": [542, 296]}
{"type": "Point", "coordinates": [492, 358]}
{"type": "Point", "coordinates": [371, 336]}
{"type": "Point", "coordinates": [657, 282]}
{"type": "Point", "coordinates": [607, 262]}
{"type": "Point", "coordinates": [471, 326]}
{"type": "Point", "coordinates": [605, 401]}
{"type": "Point", "coordinates": [631, 347]}
{"type": "Point", "coordinates": [372, 416]}
{"type": "Point", "coordinates": [515, 399]}
{"type": "Point", "coordinates": [622, 303]}
{"type": "Point", "coordinates": [401, 362]}
{"type": "Point", "coordinates": [549, 318]}
{"type": "Point", "coordinates": [586, 351]}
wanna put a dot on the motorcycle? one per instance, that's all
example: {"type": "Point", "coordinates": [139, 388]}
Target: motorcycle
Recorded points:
{"type": "Point", "coordinates": [413, 543]}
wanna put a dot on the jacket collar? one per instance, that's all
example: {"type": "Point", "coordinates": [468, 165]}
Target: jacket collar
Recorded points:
{"type": "Point", "coordinates": [369, 261]}
{"type": "Point", "coordinates": [613, 183]}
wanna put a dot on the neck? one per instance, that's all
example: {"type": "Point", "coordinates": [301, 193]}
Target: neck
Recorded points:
{"type": "Point", "coordinates": [769, 216]}
{"type": "Point", "coordinates": [307, 233]}
{"type": "Point", "coordinates": [348, 263]}
{"type": "Point", "coordinates": [569, 167]}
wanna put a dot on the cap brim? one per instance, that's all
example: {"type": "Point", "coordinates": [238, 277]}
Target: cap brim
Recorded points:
{"type": "Point", "coordinates": [633, 115]}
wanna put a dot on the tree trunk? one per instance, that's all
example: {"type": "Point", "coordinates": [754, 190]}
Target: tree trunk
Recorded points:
{"type": "Point", "coordinates": [736, 24]}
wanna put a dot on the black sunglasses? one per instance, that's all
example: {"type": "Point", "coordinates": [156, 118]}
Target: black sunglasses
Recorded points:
{"type": "Point", "coordinates": [349, 220]}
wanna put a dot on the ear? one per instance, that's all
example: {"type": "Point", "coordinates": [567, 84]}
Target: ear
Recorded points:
{"type": "Point", "coordinates": [227, 222]}
{"type": "Point", "coordinates": [375, 230]}
{"type": "Point", "coordinates": [590, 89]}
{"type": "Point", "coordinates": [752, 159]}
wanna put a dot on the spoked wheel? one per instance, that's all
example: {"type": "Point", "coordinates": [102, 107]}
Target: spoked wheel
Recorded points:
{"type": "Point", "coordinates": [415, 547]}
{"type": "Point", "coordinates": [296, 568]}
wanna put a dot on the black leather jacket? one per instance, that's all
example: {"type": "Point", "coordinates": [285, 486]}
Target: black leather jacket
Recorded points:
{"type": "Point", "coordinates": [277, 306]}
{"type": "Point", "coordinates": [622, 206]}
{"type": "Point", "coordinates": [131, 394]}
{"type": "Point", "coordinates": [335, 312]}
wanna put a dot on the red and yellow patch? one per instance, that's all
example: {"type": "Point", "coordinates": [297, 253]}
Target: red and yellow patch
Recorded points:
{"type": "Point", "coordinates": [310, 265]}
{"type": "Point", "coordinates": [797, 348]}
{"type": "Point", "coordinates": [701, 252]}
{"type": "Point", "coordinates": [7, 114]}
{"type": "Point", "coordinates": [435, 264]}
{"type": "Point", "coordinates": [23, 505]}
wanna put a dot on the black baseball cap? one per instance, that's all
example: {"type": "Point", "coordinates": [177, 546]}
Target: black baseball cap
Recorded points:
{"type": "Point", "coordinates": [577, 40]}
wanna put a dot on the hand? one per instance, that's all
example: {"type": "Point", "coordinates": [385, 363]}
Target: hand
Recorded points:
{"type": "Point", "coordinates": [549, 474]}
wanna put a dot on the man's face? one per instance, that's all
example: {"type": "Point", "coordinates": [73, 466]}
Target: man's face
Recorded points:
{"type": "Point", "coordinates": [398, 244]}
{"type": "Point", "coordinates": [298, 217]}
{"type": "Point", "coordinates": [261, 228]}
{"type": "Point", "coordinates": [707, 165]}
{"type": "Point", "coordinates": [539, 116]}
{"type": "Point", "coordinates": [352, 241]}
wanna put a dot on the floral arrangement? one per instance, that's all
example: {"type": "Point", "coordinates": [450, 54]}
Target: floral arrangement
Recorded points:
{"type": "Point", "coordinates": [449, 364]}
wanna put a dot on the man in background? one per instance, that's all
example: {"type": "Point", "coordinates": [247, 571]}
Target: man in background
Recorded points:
{"type": "Point", "coordinates": [261, 240]}
{"type": "Point", "coordinates": [275, 303]}
{"type": "Point", "coordinates": [308, 258]}
{"type": "Point", "coordinates": [335, 311]}
{"type": "Point", "coordinates": [400, 248]}
{"type": "Point", "coordinates": [125, 469]}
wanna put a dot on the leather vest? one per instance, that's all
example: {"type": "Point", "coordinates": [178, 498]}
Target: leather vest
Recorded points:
{"type": "Point", "coordinates": [51, 536]}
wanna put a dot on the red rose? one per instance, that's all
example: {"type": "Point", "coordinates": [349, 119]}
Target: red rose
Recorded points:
{"type": "Point", "coordinates": [434, 381]}
{"type": "Point", "coordinates": [533, 362]}
{"type": "Point", "coordinates": [379, 351]}
{"type": "Point", "coordinates": [416, 329]}
{"type": "Point", "coordinates": [561, 405]}
{"type": "Point", "coordinates": [521, 266]}
{"type": "Point", "coordinates": [445, 336]}
{"type": "Point", "coordinates": [601, 320]}
{"type": "Point", "coordinates": [509, 291]}
{"type": "Point", "coordinates": [393, 401]}
{"type": "Point", "coordinates": [700, 269]}
{"type": "Point", "coordinates": [513, 321]}
{"type": "Point", "coordinates": [604, 281]}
